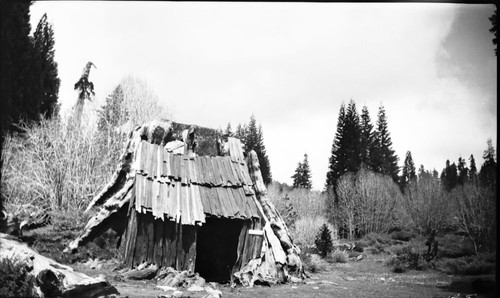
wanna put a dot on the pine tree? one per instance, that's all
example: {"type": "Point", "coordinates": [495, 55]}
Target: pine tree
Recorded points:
{"type": "Point", "coordinates": [367, 139]}
{"type": "Point", "coordinates": [473, 170]}
{"type": "Point", "coordinates": [302, 176]}
{"type": "Point", "coordinates": [240, 132]}
{"type": "Point", "coordinates": [114, 113]}
{"type": "Point", "coordinates": [408, 174]}
{"type": "Point", "coordinates": [47, 67]}
{"type": "Point", "coordinates": [228, 132]}
{"type": "Point", "coordinates": [449, 177]}
{"type": "Point", "coordinates": [338, 153]}
{"type": "Point", "coordinates": [17, 57]}
{"type": "Point", "coordinates": [462, 171]}
{"type": "Point", "coordinates": [254, 140]}
{"type": "Point", "coordinates": [385, 159]}
{"type": "Point", "coordinates": [488, 172]}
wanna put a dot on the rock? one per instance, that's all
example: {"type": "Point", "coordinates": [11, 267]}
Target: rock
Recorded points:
{"type": "Point", "coordinates": [213, 293]}
{"type": "Point", "coordinates": [296, 279]}
{"type": "Point", "coordinates": [316, 288]}
{"type": "Point", "coordinates": [167, 288]}
{"type": "Point", "coordinates": [196, 288]}
{"type": "Point", "coordinates": [177, 294]}
{"type": "Point", "coordinates": [359, 258]}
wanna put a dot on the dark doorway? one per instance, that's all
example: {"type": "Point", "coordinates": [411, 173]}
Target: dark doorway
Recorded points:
{"type": "Point", "coordinates": [216, 245]}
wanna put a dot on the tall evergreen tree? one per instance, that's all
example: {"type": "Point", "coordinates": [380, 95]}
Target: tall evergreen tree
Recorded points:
{"type": "Point", "coordinates": [240, 132]}
{"type": "Point", "coordinates": [488, 172]}
{"type": "Point", "coordinates": [408, 174]}
{"type": "Point", "coordinates": [228, 132]}
{"type": "Point", "coordinates": [302, 176]}
{"type": "Point", "coordinates": [463, 171]}
{"type": "Point", "coordinates": [367, 139]}
{"type": "Point", "coordinates": [385, 159]}
{"type": "Point", "coordinates": [254, 140]}
{"type": "Point", "coordinates": [47, 67]}
{"type": "Point", "coordinates": [449, 177]}
{"type": "Point", "coordinates": [114, 113]}
{"type": "Point", "coordinates": [335, 169]}
{"type": "Point", "coordinates": [19, 100]}
{"type": "Point", "coordinates": [473, 170]}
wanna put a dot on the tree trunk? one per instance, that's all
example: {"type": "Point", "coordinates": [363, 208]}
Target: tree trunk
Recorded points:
{"type": "Point", "coordinates": [53, 279]}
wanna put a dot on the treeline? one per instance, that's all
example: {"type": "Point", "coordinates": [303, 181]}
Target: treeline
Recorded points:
{"type": "Point", "coordinates": [253, 138]}
{"type": "Point", "coordinates": [29, 83]}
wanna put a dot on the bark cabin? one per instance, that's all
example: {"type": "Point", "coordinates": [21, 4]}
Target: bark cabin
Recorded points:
{"type": "Point", "coordinates": [208, 214]}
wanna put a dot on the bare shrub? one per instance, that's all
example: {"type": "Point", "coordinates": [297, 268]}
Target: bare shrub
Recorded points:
{"type": "Point", "coordinates": [305, 202]}
{"type": "Point", "coordinates": [366, 202]}
{"type": "Point", "coordinates": [339, 256]}
{"type": "Point", "coordinates": [427, 205]}
{"type": "Point", "coordinates": [475, 214]}
{"type": "Point", "coordinates": [306, 228]}
{"type": "Point", "coordinates": [55, 165]}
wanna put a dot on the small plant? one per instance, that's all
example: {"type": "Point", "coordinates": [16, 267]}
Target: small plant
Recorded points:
{"type": "Point", "coordinates": [15, 280]}
{"type": "Point", "coordinates": [323, 241]}
{"type": "Point", "coordinates": [339, 256]}
{"type": "Point", "coordinates": [314, 263]}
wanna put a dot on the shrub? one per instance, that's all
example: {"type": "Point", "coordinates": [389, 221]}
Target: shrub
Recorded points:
{"type": "Point", "coordinates": [408, 256]}
{"type": "Point", "coordinates": [15, 280]}
{"type": "Point", "coordinates": [465, 266]}
{"type": "Point", "coordinates": [314, 263]}
{"type": "Point", "coordinates": [453, 246]}
{"type": "Point", "coordinates": [305, 229]}
{"type": "Point", "coordinates": [339, 256]}
{"type": "Point", "coordinates": [323, 241]}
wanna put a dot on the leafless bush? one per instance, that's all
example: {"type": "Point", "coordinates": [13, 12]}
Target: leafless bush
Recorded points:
{"type": "Point", "coordinates": [54, 165]}
{"type": "Point", "coordinates": [427, 205]}
{"type": "Point", "coordinates": [306, 228]}
{"type": "Point", "coordinates": [305, 202]}
{"type": "Point", "coordinates": [475, 212]}
{"type": "Point", "coordinates": [366, 202]}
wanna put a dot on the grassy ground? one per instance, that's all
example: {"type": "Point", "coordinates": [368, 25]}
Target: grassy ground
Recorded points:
{"type": "Point", "coordinates": [454, 271]}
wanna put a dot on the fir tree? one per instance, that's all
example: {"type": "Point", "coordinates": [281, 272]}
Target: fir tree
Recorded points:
{"type": "Point", "coordinates": [47, 67]}
{"type": "Point", "coordinates": [408, 174]}
{"type": "Point", "coordinates": [449, 177]}
{"type": "Point", "coordinates": [488, 172]}
{"type": "Point", "coordinates": [367, 139]}
{"type": "Point", "coordinates": [323, 241]}
{"type": "Point", "coordinates": [302, 176]}
{"type": "Point", "coordinates": [254, 140]}
{"type": "Point", "coordinates": [114, 113]}
{"type": "Point", "coordinates": [228, 132]}
{"type": "Point", "coordinates": [462, 171]}
{"type": "Point", "coordinates": [240, 132]}
{"type": "Point", "coordinates": [338, 153]}
{"type": "Point", "coordinates": [385, 159]}
{"type": "Point", "coordinates": [473, 170]}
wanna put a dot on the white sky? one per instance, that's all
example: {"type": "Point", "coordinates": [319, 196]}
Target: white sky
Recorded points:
{"type": "Point", "coordinates": [292, 65]}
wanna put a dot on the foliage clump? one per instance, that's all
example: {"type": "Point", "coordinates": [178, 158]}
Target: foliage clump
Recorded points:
{"type": "Point", "coordinates": [323, 241]}
{"type": "Point", "coordinates": [15, 280]}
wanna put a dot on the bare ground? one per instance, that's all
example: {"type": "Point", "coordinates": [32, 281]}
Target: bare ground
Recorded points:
{"type": "Point", "coordinates": [369, 277]}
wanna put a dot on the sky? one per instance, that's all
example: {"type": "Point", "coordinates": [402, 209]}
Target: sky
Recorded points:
{"type": "Point", "coordinates": [431, 65]}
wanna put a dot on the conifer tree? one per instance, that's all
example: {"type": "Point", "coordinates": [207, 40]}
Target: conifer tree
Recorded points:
{"type": "Point", "coordinates": [473, 170]}
{"type": "Point", "coordinates": [408, 174]}
{"type": "Point", "coordinates": [346, 148]}
{"type": "Point", "coordinates": [46, 68]}
{"type": "Point", "coordinates": [449, 177]}
{"type": "Point", "coordinates": [114, 113]}
{"type": "Point", "coordinates": [240, 132]}
{"type": "Point", "coordinates": [254, 140]}
{"type": "Point", "coordinates": [302, 176]}
{"type": "Point", "coordinates": [384, 158]}
{"type": "Point", "coordinates": [462, 171]}
{"type": "Point", "coordinates": [335, 169]}
{"type": "Point", "coordinates": [228, 132]}
{"type": "Point", "coordinates": [367, 139]}
{"type": "Point", "coordinates": [488, 172]}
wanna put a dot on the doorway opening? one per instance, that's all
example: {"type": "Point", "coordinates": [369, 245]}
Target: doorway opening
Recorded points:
{"type": "Point", "coordinates": [216, 248]}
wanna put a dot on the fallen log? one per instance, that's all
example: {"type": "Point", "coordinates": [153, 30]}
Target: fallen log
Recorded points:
{"type": "Point", "coordinates": [53, 279]}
